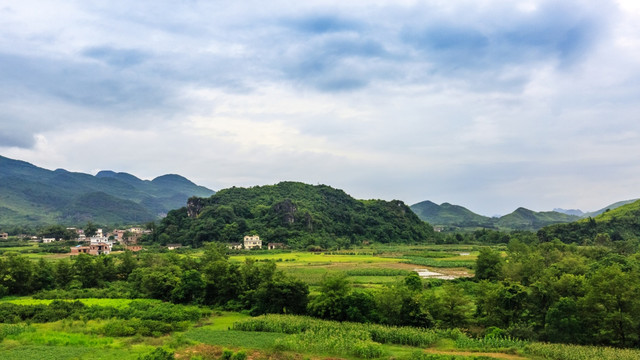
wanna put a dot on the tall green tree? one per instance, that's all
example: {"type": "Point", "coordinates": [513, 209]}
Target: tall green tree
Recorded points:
{"type": "Point", "coordinates": [488, 265]}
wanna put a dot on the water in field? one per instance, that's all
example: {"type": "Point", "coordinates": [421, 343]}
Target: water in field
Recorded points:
{"type": "Point", "coordinates": [428, 274]}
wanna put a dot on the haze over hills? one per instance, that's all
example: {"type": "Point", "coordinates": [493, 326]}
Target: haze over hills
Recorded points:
{"type": "Point", "coordinates": [30, 195]}
{"type": "Point", "coordinates": [456, 216]}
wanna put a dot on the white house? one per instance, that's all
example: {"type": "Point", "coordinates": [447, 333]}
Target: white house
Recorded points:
{"type": "Point", "coordinates": [251, 242]}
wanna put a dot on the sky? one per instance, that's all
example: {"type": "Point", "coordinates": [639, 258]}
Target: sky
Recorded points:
{"type": "Point", "coordinates": [487, 104]}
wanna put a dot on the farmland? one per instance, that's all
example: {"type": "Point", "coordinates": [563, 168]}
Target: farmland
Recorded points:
{"type": "Point", "coordinates": [358, 303]}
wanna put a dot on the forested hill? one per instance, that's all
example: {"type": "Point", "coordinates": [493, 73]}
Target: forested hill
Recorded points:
{"type": "Point", "coordinates": [293, 213]}
{"type": "Point", "coordinates": [30, 195]}
{"type": "Point", "coordinates": [456, 216]}
{"type": "Point", "coordinates": [448, 214]}
{"type": "Point", "coordinates": [621, 223]}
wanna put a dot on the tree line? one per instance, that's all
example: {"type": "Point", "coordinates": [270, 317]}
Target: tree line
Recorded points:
{"type": "Point", "coordinates": [549, 291]}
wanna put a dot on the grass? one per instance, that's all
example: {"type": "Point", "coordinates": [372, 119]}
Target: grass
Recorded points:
{"type": "Point", "coordinates": [233, 338]}
{"type": "Point", "coordinates": [307, 258]}
{"type": "Point", "coordinates": [116, 303]}
{"type": "Point", "coordinates": [39, 352]}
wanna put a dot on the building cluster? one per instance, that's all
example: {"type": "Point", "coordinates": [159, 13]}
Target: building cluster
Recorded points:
{"type": "Point", "coordinates": [254, 242]}
{"type": "Point", "coordinates": [102, 243]}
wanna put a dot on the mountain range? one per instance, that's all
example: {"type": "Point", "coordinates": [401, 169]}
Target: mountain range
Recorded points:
{"type": "Point", "coordinates": [30, 195]}
{"type": "Point", "coordinates": [456, 216]}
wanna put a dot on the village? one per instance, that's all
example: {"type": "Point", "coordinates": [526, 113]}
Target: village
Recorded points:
{"type": "Point", "coordinates": [103, 242]}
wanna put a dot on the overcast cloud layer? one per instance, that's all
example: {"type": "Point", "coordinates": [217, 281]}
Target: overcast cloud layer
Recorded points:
{"type": "Point", "coordinates": [487, 104]}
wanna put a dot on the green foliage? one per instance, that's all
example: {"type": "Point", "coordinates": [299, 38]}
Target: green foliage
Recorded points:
{"type": "Point", "coordinates": [335, 341]}
{"type": "Point", "coordinates": [620, 224]}
{"type": "Point", "coordinates": [33, 195]}
{"type": "Point", "coordinates": [488, 265]}
{"type": "Point", "coordinates": [289, 324]}
{"type": "Point", "coordinates": [377, 272]}
{"type": "Point", "coordinates": [158, 354]}
{"type": "Point", "coordinates": [460, 217]}
{"type": "Point", "coordinates": [297, 214]}
{"type": "Point", "coordinates": [441, 263]}
{"type": "Point", "coordinates": [337, 302]}
{"type": "Point", "coordinates": [490, 343]}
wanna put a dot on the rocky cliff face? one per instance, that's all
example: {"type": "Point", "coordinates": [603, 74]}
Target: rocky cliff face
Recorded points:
{"type": "Point", "coordinates": [286, 210]}
{"type": "Point", "coordinates": [195, 206]}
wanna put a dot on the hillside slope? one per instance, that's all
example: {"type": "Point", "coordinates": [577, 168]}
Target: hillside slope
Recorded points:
{"type": "Point", "coordinates": [448, 214]}
{"type": "Point", "coordinates": [293, 213]}
{"type": "Point", "coordinates": [30, 195]}
{"type": "Point", "coordinates": [621, 223]}
{"type": "Point", "coordinates": [460, 217]}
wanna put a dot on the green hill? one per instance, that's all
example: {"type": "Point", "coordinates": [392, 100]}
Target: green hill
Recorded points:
{"type": "Point", "coordinates": [459, 217]}
{"type": "Point", "coordinates": [30, 195]}
{"type": "Point", "coordinates": [448, 214]}
{"type": "Point", "coordinates": [525, 219]}
{"type": "Point", "coordinates": [621, 223]}
{"type": "Point", "coordinates": [610, 207]}
{"type": "Point", "coordinates": [293, 213]}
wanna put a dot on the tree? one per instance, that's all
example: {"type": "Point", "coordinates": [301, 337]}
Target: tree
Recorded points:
{"type": "Point", "coordinates": [330, 303]}
{"type": "Point", "coordinates": [488, 265]}
{"type": "Point", "coordinates": [16, 274]}
{"type": "Point", "coordinates": [90, 229]}
{"type": "Point", "coordinates": [281, 295]}
{"type": "Point", "coordinates": [454, 308]}
{"type": "Point", "coordinates": [613, 305]}
{"type": "Point", "coordinates": [190, 289]}
{"type": "Point", "coordinates": [127, 264]}
{"type": "Point", "coordinates": [563, 323]}
{"type": "Point", "coordinates": [413, 281]}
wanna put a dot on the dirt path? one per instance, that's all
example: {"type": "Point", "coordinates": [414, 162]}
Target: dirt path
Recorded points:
{"type": "Point", "coordinates": [472, 353]}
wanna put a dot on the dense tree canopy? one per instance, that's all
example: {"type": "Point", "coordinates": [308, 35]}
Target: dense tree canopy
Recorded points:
{"type": "Point", "coordinates": [295, 214]}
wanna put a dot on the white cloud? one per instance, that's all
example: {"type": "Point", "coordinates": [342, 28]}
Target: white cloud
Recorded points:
{"type": "Point", "coordinates": [491, 104]}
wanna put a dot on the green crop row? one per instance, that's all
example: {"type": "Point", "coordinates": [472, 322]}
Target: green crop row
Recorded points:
{"type": "Point", "coordinates": [289, 324]}
{"type": "Point", "coordinates": [442, 263]}
{"type": "Point", "coordinates": [377, 272]}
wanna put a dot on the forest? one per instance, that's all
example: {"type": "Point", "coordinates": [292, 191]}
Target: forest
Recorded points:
{"type": "Point", "coordinates": [292, 213]}
{"type": "Point", "coordinates": [544, 291]}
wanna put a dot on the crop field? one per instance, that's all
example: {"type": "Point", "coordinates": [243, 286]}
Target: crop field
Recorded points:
{"type": "Point", "coordinates": [115, 303]}
{"type": "Point", "coordinates": [372, 267]}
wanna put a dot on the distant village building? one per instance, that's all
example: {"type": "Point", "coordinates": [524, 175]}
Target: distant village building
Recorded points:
{"type": "Point", "coordinates": [272, 246]}
{"type": "Point", "coordinates": [173, 246]}
{"type": "Point", "coordinates": [48, 240]}
{"type": "Point", "coordinates": [136, 230]}
{"type": "Point", "coordinates": [133, 248]}
{"type": "Point", "coordinates": [251, 242]}
{"type": "Point", "coordinates": [77, 250]}
{"type": "Point", "coordinates": [4, 236]}
{"type": "Point", "coordinates": [118, 234]}
{"type": "Point", "coordinates": [99, 248]}
{"type": "Point", "coordinates": [132, 238]}
{"type": "Point", "coordinates": [98, 233]}
{"type": "Point", "coordinates": [100, 239]}
{"type": "Point", "coordinates": [234, 246]}
{"type": "Point", "coordinates": [93, 249]}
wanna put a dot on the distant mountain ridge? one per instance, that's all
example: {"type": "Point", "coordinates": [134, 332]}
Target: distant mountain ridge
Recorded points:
{"type": "Point", "coordinates": [613, 225]}
{"type": "Point", "coordinates": [460, 217]}
{"type": "Point", "coordinates": [30, 195]}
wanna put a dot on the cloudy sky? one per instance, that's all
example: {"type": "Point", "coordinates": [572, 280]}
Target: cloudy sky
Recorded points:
{"type": "Point", "coordinates": [487, 104]}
